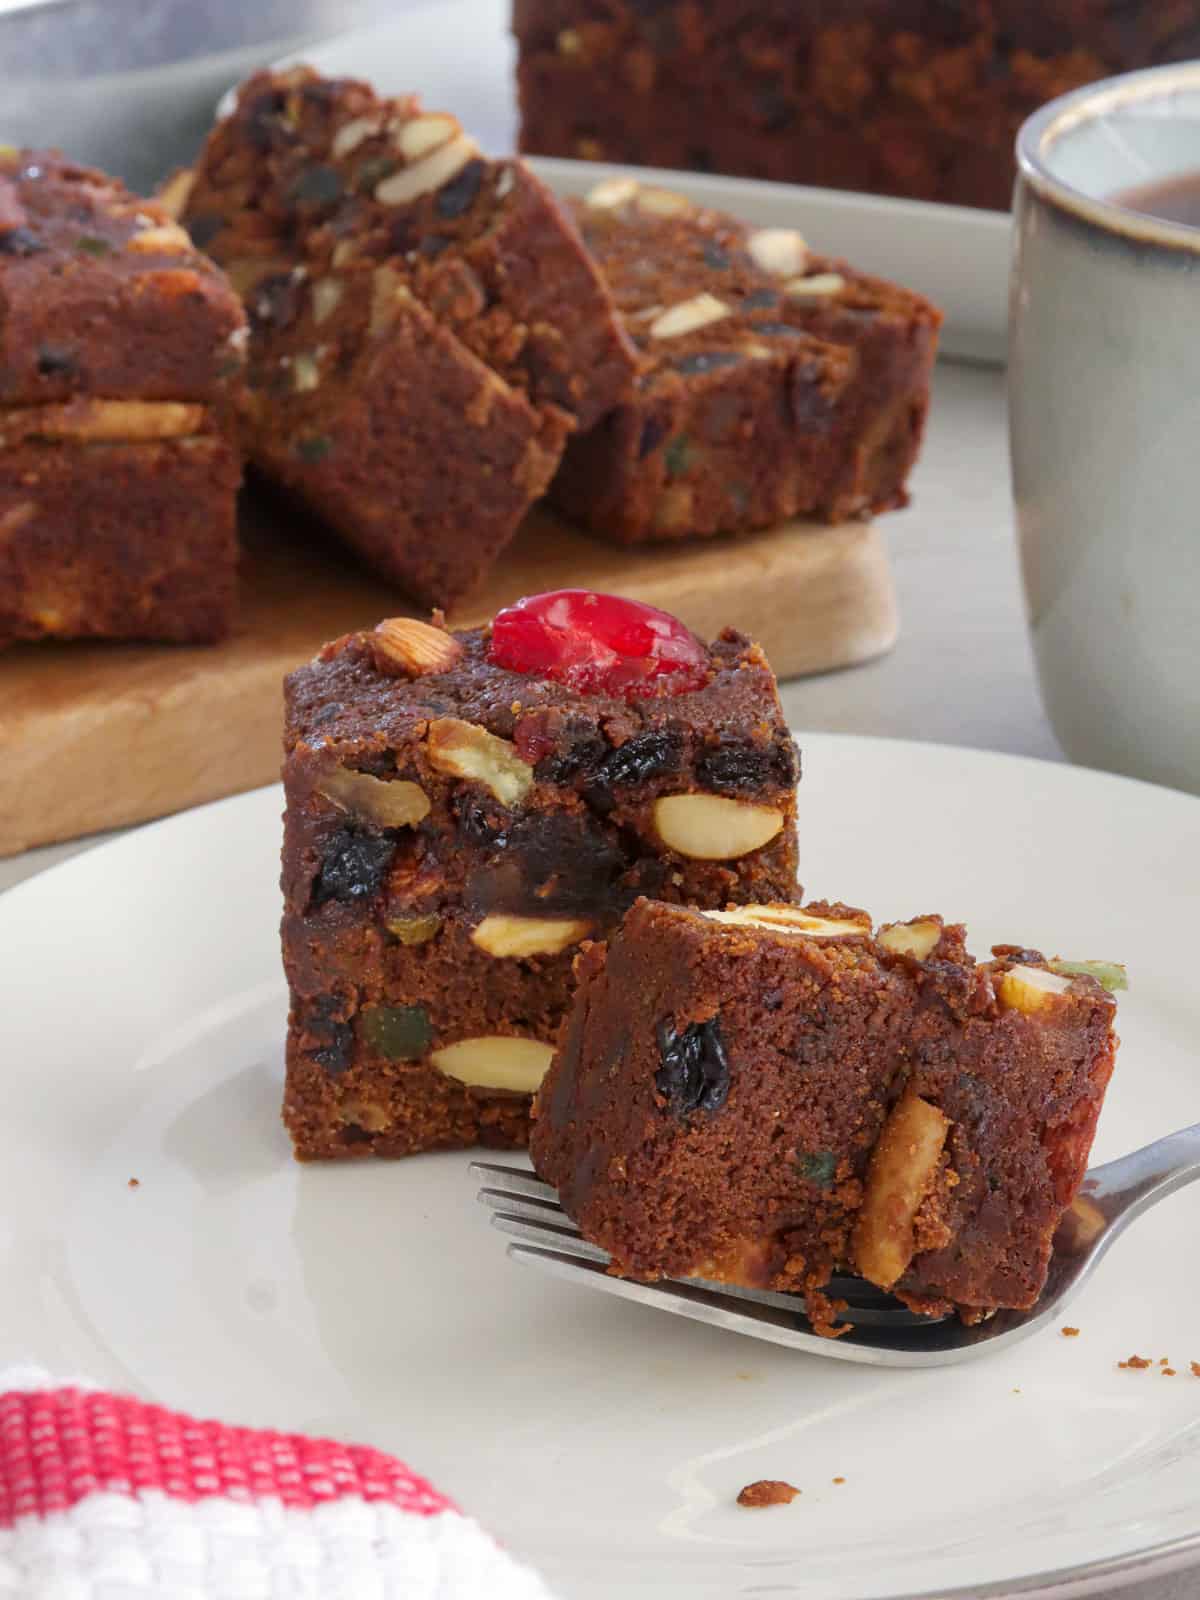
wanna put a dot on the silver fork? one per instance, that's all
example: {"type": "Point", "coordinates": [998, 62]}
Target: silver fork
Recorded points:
{"type": "Point", "coordinates": [883, 1333]}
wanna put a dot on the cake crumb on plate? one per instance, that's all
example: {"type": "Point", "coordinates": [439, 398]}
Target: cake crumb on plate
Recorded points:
{"type": "Point", "coordinates": [767, 1492]}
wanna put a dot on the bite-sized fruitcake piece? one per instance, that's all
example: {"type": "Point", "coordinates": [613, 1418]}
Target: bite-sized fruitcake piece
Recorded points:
{"type": "Point", "coordinates": [773, 383]}
{"type": "Point", "coordinates": [771, 1094]}
{"type": "Point", "coordinates": [427, 326]}
{"type": "Point", "coordinates": [463, 809]}
{"type": "Point", "coordinates": [121, 359]}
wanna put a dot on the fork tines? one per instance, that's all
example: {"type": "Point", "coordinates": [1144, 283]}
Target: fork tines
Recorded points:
{"type": "Point", "coordinates": [528, 1210]}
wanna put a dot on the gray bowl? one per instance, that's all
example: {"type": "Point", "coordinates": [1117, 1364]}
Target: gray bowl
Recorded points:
{"type": "Point", "coordinates": [130, 85]}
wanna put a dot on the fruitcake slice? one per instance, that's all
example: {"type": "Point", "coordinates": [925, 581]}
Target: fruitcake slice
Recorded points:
{"type": "Point", "coordinates": [770, 1094]}
{"type": "Point", "coordinates": [121, 360]}
{"type": "Point", "coordinates": [427, 327]}
{"type": "Point", "coordinates": [463, 809]}
{"type": "Point", "coordinates": [773, 384]}
{"type": "Point", "coordinates": [117, 521]}
{"type": "Point", "coordinates": [103, 294]}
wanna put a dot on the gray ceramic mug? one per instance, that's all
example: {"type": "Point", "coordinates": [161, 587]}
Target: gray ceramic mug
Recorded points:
{"type": "Point", "coordinates": [1105, 418]}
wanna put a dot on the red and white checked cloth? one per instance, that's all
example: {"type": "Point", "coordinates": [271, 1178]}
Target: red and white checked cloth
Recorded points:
{"type": "Point", "coordinates": [105, 1498]}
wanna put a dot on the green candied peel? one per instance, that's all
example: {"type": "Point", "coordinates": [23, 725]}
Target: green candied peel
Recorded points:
{"type": "Point", "coordinates": [401, 1033]}
{"type": "Point", "coordinates": [678, 456]}
{"type": "Point", "coordinates": [374, 170]}
{"type": "Point", "coordinates": [314, 448]}
{"type": "Point", "coordinates": [818, 1166]}
{"type": "Point", "coordinates": [319, 186]}
{"type": "Point", "coordinates": [1110, 973]}
{"type": "Point", "coordinates": [92, 245]}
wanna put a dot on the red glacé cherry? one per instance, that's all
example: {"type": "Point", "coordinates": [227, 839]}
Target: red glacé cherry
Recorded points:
{"type": "Point", "coordinates": [598, 644]}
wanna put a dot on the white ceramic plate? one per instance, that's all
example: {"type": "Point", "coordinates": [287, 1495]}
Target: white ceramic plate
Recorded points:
{"type": "Point", "coordinates": [141, 1037]}
{"type": "Point", "coordinates": [458, 54]}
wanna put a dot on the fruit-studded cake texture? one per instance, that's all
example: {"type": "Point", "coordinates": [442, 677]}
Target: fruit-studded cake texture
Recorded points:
{"type": "Point", "coordinates": [461, 814]}
{"type": "Point", "coordinates": [121, 361]}
{"type": "Point", "coordinates": [907, 97]}
{"type": "Point", "coordinates": [772, 383]}
{"type": "Point", "coordinates": [427, 328]}
{"type": "Point", "coordinates": [771, 1094]}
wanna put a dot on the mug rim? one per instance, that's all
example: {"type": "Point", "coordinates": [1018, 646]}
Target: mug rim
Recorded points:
{"type": "Point", "coordinates": [1039, 131]}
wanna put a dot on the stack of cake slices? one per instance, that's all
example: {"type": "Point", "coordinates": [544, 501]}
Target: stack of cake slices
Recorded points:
{"type": "Point", "coordinates": [426, 326]}
{"type": "Point", "coordinates": [121, 354]}
{"type": "Point", "coordinates": [436, 344]}
{"type": "Point", "coordinates": [426, 345]}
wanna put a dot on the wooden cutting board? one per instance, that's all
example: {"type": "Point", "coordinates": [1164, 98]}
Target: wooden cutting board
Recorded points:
{"type": "Point", "coordinates": [92, 736]}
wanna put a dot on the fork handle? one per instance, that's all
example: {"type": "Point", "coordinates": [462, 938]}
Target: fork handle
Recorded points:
{"type": "Point", "coordinates": [1145, 1176]}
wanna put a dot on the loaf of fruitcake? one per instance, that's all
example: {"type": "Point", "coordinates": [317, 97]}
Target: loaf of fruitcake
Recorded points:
{"type": "Point", "coordinates": [771, 1094]}
{"type": "Point", "coordinates": [921, 98]}
{"type": "Point", "coordinates": [463, 809]}
{"type": "Point", "coordinates": [772, 383]}
{"type": "Point", "coordinates": [426, 326]}
{"type": "Point", "coordinates": [121, 360]}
